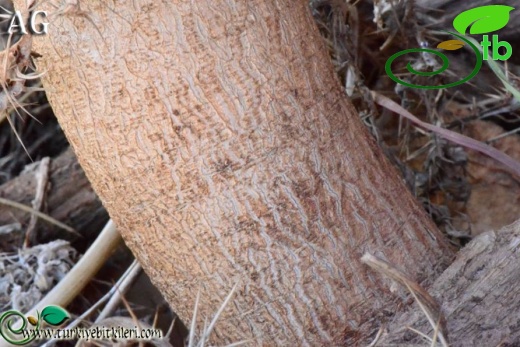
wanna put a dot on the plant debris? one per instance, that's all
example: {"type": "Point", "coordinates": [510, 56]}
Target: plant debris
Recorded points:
{"type": "Point", "coordinates": [27, 275]}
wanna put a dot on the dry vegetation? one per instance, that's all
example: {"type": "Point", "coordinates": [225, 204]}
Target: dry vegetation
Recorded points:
{"type": "Point", "coordinates": [443, 175]}
{"type": "Point", "coordinates": [464, 191]}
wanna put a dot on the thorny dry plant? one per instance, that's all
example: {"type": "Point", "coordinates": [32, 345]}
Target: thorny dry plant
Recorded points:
{"type": "Point", "coordinates": [15, 67]}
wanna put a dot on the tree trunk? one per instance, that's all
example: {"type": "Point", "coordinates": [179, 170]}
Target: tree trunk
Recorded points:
{"type": "Point", "coordinates": [225, 150]}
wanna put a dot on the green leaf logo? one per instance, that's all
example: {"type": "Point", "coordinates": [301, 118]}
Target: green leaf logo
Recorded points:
{"type": "Point", "coordinates": [54, 315]}
{"type": "Point", "coordinates": [483, 19]}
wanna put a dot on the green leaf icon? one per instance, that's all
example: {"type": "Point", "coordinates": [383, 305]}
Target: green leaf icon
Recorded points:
{"type": "Point", "coordinates": [483, 19]}
{"type": "Point", "coordinates": [54, 315]}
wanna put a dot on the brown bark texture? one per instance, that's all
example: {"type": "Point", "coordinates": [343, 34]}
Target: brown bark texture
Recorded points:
{"type": "Point", "coordinates": [478, 294]}
{"type": "Point", "coordinates": [225, 150]}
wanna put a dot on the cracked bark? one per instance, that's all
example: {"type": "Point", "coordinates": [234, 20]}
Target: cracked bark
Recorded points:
{"type": "Point", "coordinates": [225, 150]}
{"type": "Point", "coordinates": [478, 295]}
